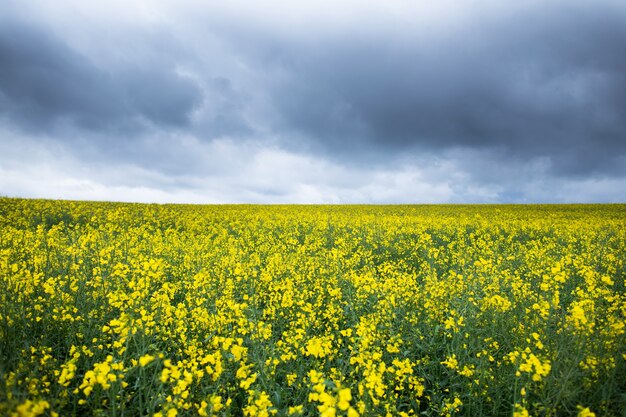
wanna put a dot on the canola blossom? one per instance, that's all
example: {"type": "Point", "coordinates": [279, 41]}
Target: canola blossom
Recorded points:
{"type": "Point", "coordinates": [110, 309]}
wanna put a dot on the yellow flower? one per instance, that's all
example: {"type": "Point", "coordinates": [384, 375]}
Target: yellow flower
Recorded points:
{"type": "Point", "coordinates": [585, 412]}
{"type": "Point", "coordinates": [520, 411]}
{"type": "Point", "coordinates": [296, 411]}
{"type": "Point", "coordinates": [352, 412]}
{"type": "Point", "coordinates": [344, 399]}
{"type": "Point", "coordinates": [67, 374]}
{"type": "Point", "coordinates": [31, 408]}
{"type": "Point", "coordinates": [216, 402]}
{"type": "Point", "coordinates": [145, 359]}
{"type": "Point", "coordinates": [291, 378]}
{"type": "Point", "coordinates": [451, 362]}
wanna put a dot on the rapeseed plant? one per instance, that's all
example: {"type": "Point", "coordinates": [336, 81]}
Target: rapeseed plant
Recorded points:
{"type": "Point", "coordinates": [174, 310]}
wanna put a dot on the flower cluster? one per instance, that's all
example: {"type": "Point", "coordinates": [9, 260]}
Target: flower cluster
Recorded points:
{"type": "Point", "coordinates": [181, 310]}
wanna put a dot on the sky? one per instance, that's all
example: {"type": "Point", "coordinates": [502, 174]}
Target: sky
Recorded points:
{"type": "Point", "coordinates": [397, 101]}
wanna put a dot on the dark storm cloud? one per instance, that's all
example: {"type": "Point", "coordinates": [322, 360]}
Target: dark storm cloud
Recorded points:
{"type": "Point", "coordinates": [547, 81]}
{"type": "Point", "coordinates": [44, 83]}
{"type": "Point", "coordinates": [536, 81]}
{"type": "Point", "coordinates": [402, 101]}
{"type": "Point", "coordinates": [224, 111]}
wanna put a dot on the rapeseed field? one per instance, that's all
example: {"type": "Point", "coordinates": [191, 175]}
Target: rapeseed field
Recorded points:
{"type": "Point", "coordinates": [113, 309]}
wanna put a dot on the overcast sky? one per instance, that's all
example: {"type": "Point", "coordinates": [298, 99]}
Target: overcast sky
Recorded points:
{"type": "Point", "coordinates": [314, 102]}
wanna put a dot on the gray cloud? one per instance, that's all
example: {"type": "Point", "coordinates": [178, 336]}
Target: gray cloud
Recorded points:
{"type": "Point", "coordinates": [44, 84]}
{"type": "Point", "coordinates": [545, 82]}
{"type": "Point", "coordinates": [410, 102]}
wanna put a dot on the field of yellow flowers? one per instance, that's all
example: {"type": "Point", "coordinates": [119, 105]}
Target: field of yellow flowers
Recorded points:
{"type": "Point", "coordinates": [111, 309]}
